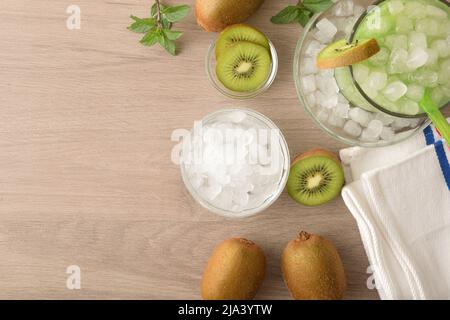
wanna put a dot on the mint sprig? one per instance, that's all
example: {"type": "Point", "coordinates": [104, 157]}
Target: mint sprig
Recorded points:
{"type": "Point", "coordinates": [158, 27]}
{"type": "Point", "coordinates": [301, 12]}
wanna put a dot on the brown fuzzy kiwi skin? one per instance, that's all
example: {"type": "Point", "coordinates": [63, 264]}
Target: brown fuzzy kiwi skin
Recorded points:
{"type": "Point", "coordinates": [351, 57]}
{"type": "Point", "coordinates": [216, 15]}
{"type": "Point", "coordinates": [312, 269]}
{"type": "Point", "coordinates": [314, 153]}
{"type": "Point", "coordinates": [235, 271]}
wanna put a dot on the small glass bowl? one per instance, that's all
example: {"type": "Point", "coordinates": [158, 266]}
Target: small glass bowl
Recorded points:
{"type": "Point", "coordinates": [210, 65]}
{"type": "Point", "coordinates": [286, 163]}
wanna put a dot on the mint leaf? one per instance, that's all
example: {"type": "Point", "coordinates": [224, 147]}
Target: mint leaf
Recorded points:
{"type": "Point", "coordinates": [317, 5]}
{"type": "Point", "coordinates": [172, 35]}
{"type": "Point", "coordinates": [287, 15]}
{"type": "Point", "coordinates": [174, 14]}
{"type": "Point", "coordinates": [304, 17]}
{"type": "Point", "coordinates": [151, 38]}
{"type": "Point", "coordinates": [167, 44]}
{"type": "Point", "coordinates": [154, 9]}
{"type": "Point", "coordinates": [141, 25]}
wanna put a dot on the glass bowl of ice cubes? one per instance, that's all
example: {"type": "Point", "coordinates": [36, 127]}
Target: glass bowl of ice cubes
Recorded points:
{"type": "Point", "coordinates": [375, 103]}
{"type": "Point", "coordinates": [235, 162]}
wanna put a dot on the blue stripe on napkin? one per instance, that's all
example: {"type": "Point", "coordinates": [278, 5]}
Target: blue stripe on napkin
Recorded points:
{"type": "Point", "coordinates": [443, 161]}
{"type": "Point", "coordinates": [440, 152]}
{"type": "Point", "coordinates": [429, 135]}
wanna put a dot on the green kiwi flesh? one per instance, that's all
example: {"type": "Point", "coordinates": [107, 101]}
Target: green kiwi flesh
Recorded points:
{"type": "Point", "coordinates": [315, 180]}
{"type": "Point", "coordinates": [237, 33]}
{"type": "Point", "coordinates": [244, 67]}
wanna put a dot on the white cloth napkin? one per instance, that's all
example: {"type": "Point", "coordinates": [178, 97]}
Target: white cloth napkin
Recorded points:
{"type": "Point", "coordinates": [400, 198]}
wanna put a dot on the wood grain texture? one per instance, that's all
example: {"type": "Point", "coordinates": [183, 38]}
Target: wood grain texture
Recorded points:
{"type": "Point", "coordinates": [85, 170]}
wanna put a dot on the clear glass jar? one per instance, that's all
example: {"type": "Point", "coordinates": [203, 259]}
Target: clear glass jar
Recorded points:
{"type": "Point", "coordinates": [418, 123]}
{"type": "Point", "coordinates": [263, 122]}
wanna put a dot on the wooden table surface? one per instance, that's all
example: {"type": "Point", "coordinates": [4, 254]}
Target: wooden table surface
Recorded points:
{"type": "Point", "coordinates": [85, 172]}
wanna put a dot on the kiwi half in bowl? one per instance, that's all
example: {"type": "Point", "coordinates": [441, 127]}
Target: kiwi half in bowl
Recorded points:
{"type": "Point", "coordinates": [315, 178]}
{"type": "Point", "coordinates": [237, 33]}
{"type": "Point", "coordinates": [244, 67]}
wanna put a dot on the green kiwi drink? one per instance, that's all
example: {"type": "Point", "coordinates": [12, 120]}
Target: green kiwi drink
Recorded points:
{"type": "Point", "coordinates": [414, 38]}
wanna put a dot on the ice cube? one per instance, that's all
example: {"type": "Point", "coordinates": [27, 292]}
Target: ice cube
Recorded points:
{"type": "Point", "coordinates": [335, 120]}
{"type": "Point", "coordinates": [428, 26]}
{"type": "Point", "coordinates": [237, 116]}
{"type": "Point", "coordinates": [361, 72]}
{"type": "Point", "coordinates": [437, 96]}
{"type": "Point", "coordinates": [384, 118]}
{"type": "Point", "coordinates": [309, 66]}
{"type": "Point", "coordinates": [342, 99]}
{"type": "Point", "coordinates": [417, 58]}
{"type": "Point", "coordinates": [352, 128]}
{"type": "Point", "coordinates": [342, 110]}
{"type": "Point", "coordinates": [417, 40]}
{"type": "Point", "coordinates": [329, 29]}
{"type": "Point", "coordinates": [313, 48]}
{"type": "Point", "coordinates": [240, 198]}
{"type": "Point", "coordinates": [435, 12]}
{"type": "Point", "coordinates": [350, 23]}
{"type": "Point", "coordinates": [427, 78]}
{"type": "Point", "coordinates": [197, 180]}
{"type": "Point", "coordinates": [395, 6]}
{"type": "Point", "coordinates": [224, 200]}
{"type": "Point", "coordinates": [403, 24]}
{"type": "Point", "coordinates": [311, 99]}
{"type": "Point", "coordinates": [322, 114]}
{"type": "Point", "coordinates": [396, 41]}
{"type": "Point", "coordinates": [327, 85]}
{"type": "Point", "coordinates": [400, 123]}
{"type": "Point", "coordinates": [442, 47]}
{"type": "Point", "coordinates": [397, 61]}
{"type": "Point", "coordinates": [343, 8]}
{"type": "Point", "coordinates": [415, 92]}
{"type": "Point", "coordinates": [322, 37]}
{"type": "Point", "coordinates": [368, 136]}
{"type": "Point", "coordinates": [361, 116]}
{"type": "Point", "coordinates": [414, 9]}
{"type": "Point", "coordinates": [387, 134]}
{"type": "Point", "coordinates": [329, 101]}
{"type": "Point", "coordinates": [375, 127]}
{"type": "Point", "coordinates": [210, 192]}
{"type": "Point", "coordinates": [377, 80]}
{"type": "Point", "coordinates": [395, 90]}
{"type": "Point", "coordinates": [309, 83]}
{"type": "Point", "coordinates": [410, 107]}
{"type": "Point", "coordinates": [433, 56]}
{"type": "Point", "coordinates": [444, 73]}
{"type": "Point", "coordinates": [381, 58]}
{"type": "Point", "coordinates": [369, 90]}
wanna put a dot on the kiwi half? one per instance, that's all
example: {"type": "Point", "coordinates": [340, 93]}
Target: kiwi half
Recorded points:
{"type": "Point", "coordinates": [239, 32]}
{"type": "Point", "coordinates": [244, 67]}
{"type": "Point", "coordinates": [315, 178]}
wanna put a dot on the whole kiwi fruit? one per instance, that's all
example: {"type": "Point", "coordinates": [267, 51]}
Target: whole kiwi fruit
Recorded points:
{"type": "Point", "coordinates": [235, 271]}
{"type": "Point", "coordinates": [216, 15]}
{"type": "Point", "coordinates": [312, 269]}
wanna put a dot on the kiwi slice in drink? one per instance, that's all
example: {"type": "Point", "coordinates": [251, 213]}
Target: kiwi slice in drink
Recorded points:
{"type": "Point", "coordinates": [341, 53]}
{"type": "Point", "coordinates": [315, 178]}
{"type": "Point", "coordinates": [244, 66]}
{"type": "Point", "coordinates": [239, 32]}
